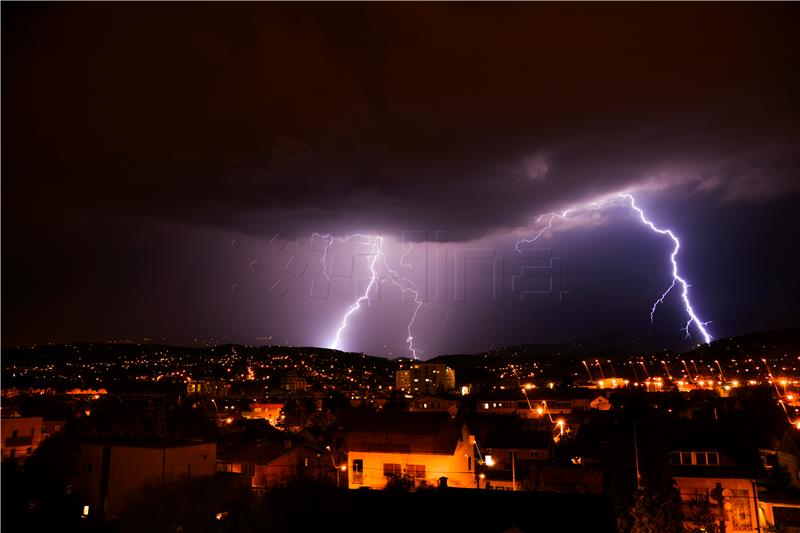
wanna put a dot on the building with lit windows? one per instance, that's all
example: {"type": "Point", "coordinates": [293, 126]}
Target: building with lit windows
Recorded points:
{"type": "Point", "coordinates": [420, 447]}
{"type": "Point", "coordinates": [433, 404]}
{"type": "Point", "coordinates": [425, 378]}
{"type": "Point", "coordinates": [271, 412]}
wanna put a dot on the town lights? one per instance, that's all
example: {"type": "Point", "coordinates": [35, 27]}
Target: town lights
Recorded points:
{"type": "Point", "coordinates": [343, 468]}
{"type": "Point", "coordinates": [560, 425]}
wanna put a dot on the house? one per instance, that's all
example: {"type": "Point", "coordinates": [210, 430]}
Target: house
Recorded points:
{"type": "Point", "coordinates": [293, 384]}
{"type": "Point", "coordinates": [715, 462]}
{"type": "Point", "coordinates": [271, 412]}
{"type": "Point", "coordinates": [113, 470]}
{"type": "Point", "coordinates": [52, 427]}
{"type": "Point", "coordinates": [776, 513]}
{"type": "Point", "coordinates": [521, 446]}
{"type": "Point", "coordinates": [422, 447]}
{"type": "Point", "coordinates": [600, 403]}
{"type": "Point", "coordinates": [537, 403]}
{"type": "Point", "coordinates": [209, 387]}
{"type": "Point", "coordinates": [270, 463]}
{"type": "Point", "coordinates": [429, 404]}
{"type": "Point", "coordinates": [20, 436]}
{"type": "Point", "coordinates": [508, 453]}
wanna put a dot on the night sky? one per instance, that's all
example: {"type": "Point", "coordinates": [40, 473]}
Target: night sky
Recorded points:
{"type": "Point", "coordinates": [164, 167]}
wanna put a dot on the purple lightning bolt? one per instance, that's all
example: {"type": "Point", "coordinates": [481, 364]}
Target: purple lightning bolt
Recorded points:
{"type": "Point", "coordinates": [405, 285]}
{"type": "Point", "coordinates": [676, 278]}
{"type": "Point", "coordinates": [374, 243]}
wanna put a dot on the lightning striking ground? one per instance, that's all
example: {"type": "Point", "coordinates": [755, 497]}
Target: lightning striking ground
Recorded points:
{"type": "Point", "coordinates": [405, 285]}
{"type": "Point", "coordinates": [693, 319]}
{"type": "Point", "coordinates": [374, 243]}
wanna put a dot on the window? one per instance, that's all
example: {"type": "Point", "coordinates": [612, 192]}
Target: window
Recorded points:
{"type": "Point", "coordinates": [700, 459]}
{"type": "Point", "coordinates": [391, 469]}
{"type": "Point", "coordinates": [694, 458]}
{"type": "Point", "coordinates": [358, 471]}
{"type": "Point", "coordinates": [469, 464]}
{"type": "Point", "coordinates": [234, 468]}
{"type": "Point", "coordinates": [416, 471]}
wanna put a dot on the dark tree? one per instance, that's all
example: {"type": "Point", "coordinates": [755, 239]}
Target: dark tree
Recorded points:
{"type": "Point", "coordinates": [658, 505]}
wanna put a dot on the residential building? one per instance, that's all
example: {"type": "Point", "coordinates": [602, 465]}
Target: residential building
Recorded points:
{"type": "Point", "coordinates": [709, 464]}
{"type": "Point", "coordinates": [212, 388]}
{"type": "Point", "coordinates": [113, 470]}
{"type": "Point", "coordinates": [271, 412]}
{"type": "Point", "coordinates": [271, 463]}
{"type": "Point", "coordinates": [20, 436]}
{"type": "Point", "coordinates": [422, 447]}
{"type": "Point", "coordinates": [430, 404]}
{"type": "Point", "coordinates": [425, 378]}
{"type": "Point", "coordinates": [294, 384]}
{"type": "Point", "coordinates": [536, 403]}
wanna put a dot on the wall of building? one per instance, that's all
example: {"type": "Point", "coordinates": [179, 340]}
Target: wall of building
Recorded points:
{"type": "Point", "coordinates": [459, 468]}
{"type": "Point", "coordinates": [300, 463]}
{"type": "Point", "coordinates": [783, 516]}
{"type": "Point", "coordinates": [111, 475]}
{"type": "Point", "coordinates": [20, 436]}
{"type": "Point", "coordinates": [734, 495]}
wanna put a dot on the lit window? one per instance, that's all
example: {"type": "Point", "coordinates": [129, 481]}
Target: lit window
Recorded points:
{"type": "Point", "coordinates": [416, 471]}
{"type": "Point", "coordinates": [392, 469]}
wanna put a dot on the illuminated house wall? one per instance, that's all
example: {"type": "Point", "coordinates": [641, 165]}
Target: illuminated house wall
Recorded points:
{"type": "Point", "coordinates": [20, 436]}
{"type": "Point", "coordinates": [422, 446]}
{"type": "Point", "coordinates": [271, 412]}
{"type": "Point", "coordinates": [731, 498]}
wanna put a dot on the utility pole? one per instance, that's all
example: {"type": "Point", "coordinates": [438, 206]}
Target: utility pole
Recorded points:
{"type": "Point", "coordinates": [513, 470]}
{"type": "Point", "coordinates": [636, 457]}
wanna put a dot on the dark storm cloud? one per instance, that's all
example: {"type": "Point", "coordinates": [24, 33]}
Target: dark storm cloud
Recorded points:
{"type": "Point", "coordinates": [333, 118]}
{"type": "Point", "coordinates": [140, 139]}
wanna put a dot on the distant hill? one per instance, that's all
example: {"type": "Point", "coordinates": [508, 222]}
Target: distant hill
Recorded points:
{"type": "Point", "coordinates": [762, 344]}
